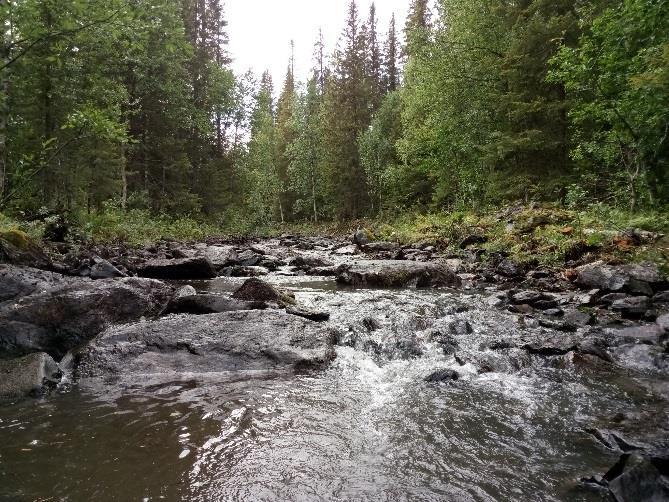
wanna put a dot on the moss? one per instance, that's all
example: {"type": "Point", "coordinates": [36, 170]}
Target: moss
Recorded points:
{"type": "Point", "coordinates": [17, 238]}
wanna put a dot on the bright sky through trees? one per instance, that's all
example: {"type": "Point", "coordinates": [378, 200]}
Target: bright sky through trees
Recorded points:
{"type": "Point", "coordinates": [260, 30]}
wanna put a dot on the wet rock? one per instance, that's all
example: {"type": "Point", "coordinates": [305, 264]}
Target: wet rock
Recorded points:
{"type": "Point", "coordinates": [445, 375]}
{"type": "Point", "coordinates": [551, 346]}
{"type": "Point", "coordinates": [398, 274]}
{"type": "Point", "coordinates": [635, 278]}
{"type": "Point", "coordinates": [507, 268]}
{"type": "Point", "coordinates": [554, 312]}
{"type": "Point", "coordinates": [662, 297]}
{"type": "Point", "coordinates": [17, 248]}
{"type": "Point", "coordinates": [446, 341]}
{"type": "Point", "coordinates": [187, 290]}
{"type": "Point", "coordinates": [306, 262]}
{"type": "Point", "coordinates": [209, 304]}
{"type": "Point", "coordinates": [472, 240]}
{"type": "Point", "coordinates": [220, 256]}
{"type": "Point", "coordinates": [183, 268]}
{"type": "Point", "coordinates": [257, 290]}
{"type": "Point", "coordinates": [638, 477]}
{"type": "Point", "coordinates": [612, 440]}
{"type": "Point", "coordinates": [249, 258]}
{"type": "Point", "coordinates": [102, 269]}
{"type": "Point", "coordinates": [375, 247]}
{"type": "Point", "coordinates": [312, 315]}
{"type": "Point", "coordinates": [633, 307]}
{"type": "Point", "coordinates": [371, 323]}
{"type": "Point", "coordinates": [60, 319]}
{"type": "Point", "coordinates": [360, 237]}
{"type": "Point", "coordinates": [31, 375]}
{"type": "Point", "coordinates": [241, 271]}
{"type": "Point", "coordinates": [641, 356]}
{"type": "Point", "coordinates": [16, 281]}
{"type": "Point", "coordinates": [232, 341]}
{"type": "Point", "coordinates": [607, 300]}
{"type": "Point", "coordinates": [541, 301]}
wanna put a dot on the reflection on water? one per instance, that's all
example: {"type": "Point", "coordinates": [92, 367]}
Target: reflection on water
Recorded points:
{"type": "Point", "coordinates": [365, 429]}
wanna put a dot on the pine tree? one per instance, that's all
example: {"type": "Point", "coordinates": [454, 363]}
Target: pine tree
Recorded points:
{"type": "Point", "coordinates": [347, 113]}
{"type": "Point", "coordinates": [391, 70]}
{"type": "Point", "coordinates": [373, 59]}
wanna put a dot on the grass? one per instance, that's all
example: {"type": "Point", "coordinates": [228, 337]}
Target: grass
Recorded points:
{"type": "Point", "coordinates": [544, 234]}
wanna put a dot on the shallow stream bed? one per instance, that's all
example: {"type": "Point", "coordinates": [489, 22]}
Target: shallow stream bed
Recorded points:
{"type": "Point", "coordinates": [369, 428]}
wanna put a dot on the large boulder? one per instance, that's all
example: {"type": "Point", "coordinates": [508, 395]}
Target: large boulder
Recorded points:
{"type": "Point", "coordinates": [643, 278]}
{"type": "Point", "coordinates": [398, 274]}
{"type": "Point", "coordinates": [232, 341]}
{"type": "Point", "coordinates": [29, 375]}
{"type": "Point", "coordinates": [640, 477]}
{"type": "Point", "coordinates": [18, 248]}
{"type": "Point", "coordinates": [16, 282]}
{"type": "Point", "coordinates": [57, 320]}
{"type": "Point", "coordinates": [220, 256]}
{"type": "Point", "coordinates": [198, 267]}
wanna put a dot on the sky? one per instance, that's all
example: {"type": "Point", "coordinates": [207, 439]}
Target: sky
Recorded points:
{"type": "Point", "coordinates": [260, 31]}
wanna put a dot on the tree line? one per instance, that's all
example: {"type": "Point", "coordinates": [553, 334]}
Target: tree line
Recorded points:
{"type": "Point", "coordinates": [473, 103]}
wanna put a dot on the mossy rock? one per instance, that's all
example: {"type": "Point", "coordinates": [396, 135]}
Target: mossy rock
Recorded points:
{"type": "Point", "coordinates": [18, 248]}
{"type": "Point", "coordinates": [16, 238]}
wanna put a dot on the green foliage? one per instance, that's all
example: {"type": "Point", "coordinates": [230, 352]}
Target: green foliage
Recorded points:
{"type": "Point", "coordinates": [618, 79]}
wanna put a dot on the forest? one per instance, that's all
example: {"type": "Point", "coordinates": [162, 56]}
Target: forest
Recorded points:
{"type": "Point", "coordinates": [132, 105]}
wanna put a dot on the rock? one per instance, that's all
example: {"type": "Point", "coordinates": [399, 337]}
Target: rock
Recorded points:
{"type": "Point", "coordinates": [18, 248]}
{"type": "Point", "coordinates": [459, 327]}
{"type": "Point", "coordinates": [380, 246]}
{"type": "Point", "coordinates": [221, 256]}
{"type": "Point", "coordinates": [249, 258]}
{"type": "Point", "coordinates": [60, 319]}
{"type": "Point", "coordinates": [209, 304]}
{"type": "Point", "coordinates": [360, 238]}
{"type": "Point", "coordinates": [232, 341]}
{"type": "Point", "coordinates": [639, 478]}
{"type": "Point", "coordinates": [632, 307]}
{"type": "Point", "coordinates": [635, 278]}
{"type": "Point", "coordinates": [31, 375]}
{"type": "Point", "coordinates": [398, 274]}
{"type": "Point", "coordinates": [507, 268]}
{"type": "Point", "coordinates": [187, 290]}
{"type": "Point", "coordinates": [552, 346]}
{"type": "Point", "coordinates": [257, 290]}
{"type": "Point", "coordinates": [473, 239]}
{"type": "Point", "coordinates": [308, 314]}
{"type": "Point", "coordinates": [16, 282]}
{"type": "Point", "coordinates": [579, 319]}
{"type": "Point", "coordinates": [306, 262]}
{"type": "Point", "coordinates": [612, 440]}
{"type": "Point", "coordinates": [102, 269]}
{"type": "Point", "coordinates": [444, 375]}
{"type": "Point", "coordinates": [612, 297]}
{"type": "Point", "coordinates": [183, 268]}
{"type": "Point", "coordinates": [531, 298]}
{"type": "Point", "coordinates": [662, 297]}
{"type": "Point", "coordinates": [447, 341]}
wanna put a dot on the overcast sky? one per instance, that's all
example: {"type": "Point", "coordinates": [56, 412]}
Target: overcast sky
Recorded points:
{"type": "Point", "coordinates": [261, 30]}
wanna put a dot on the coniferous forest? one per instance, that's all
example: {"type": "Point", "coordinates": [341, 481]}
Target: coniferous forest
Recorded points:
{"type": "Point", "coordinates": [132, 105]}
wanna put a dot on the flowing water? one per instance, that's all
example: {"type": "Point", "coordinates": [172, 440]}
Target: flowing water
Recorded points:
{"type": "Point", "coordinates": [367, 428]}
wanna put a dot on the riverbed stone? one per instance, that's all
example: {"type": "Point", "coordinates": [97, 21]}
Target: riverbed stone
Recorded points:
{"type": "Point", "coordinates": [197, 267]}
{"type": "Point", "coordinates": [210, 304]}
{"type": "Point", "coordinates": [443, 375]}
{"type": "Point", "coordinates": [632, 307]}
{"type": "Point", "coordinates": [231, 341]}
{"type": "Point", "coordinates": [258, 290]}
{"type": "Point", "coordinates": [28, 375]}
{"type": "Point", "coordinates": [642, 278]}
{"type": "Point", "coordinates": [18, 248]}
{"type": "Point", "coordinates": [59, 319]}
{"type": "Point", "coordinates": [398, 274]}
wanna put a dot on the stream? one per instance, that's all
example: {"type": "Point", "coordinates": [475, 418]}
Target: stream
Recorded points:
{"type": "Point", "coordinates": [368, 428]}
